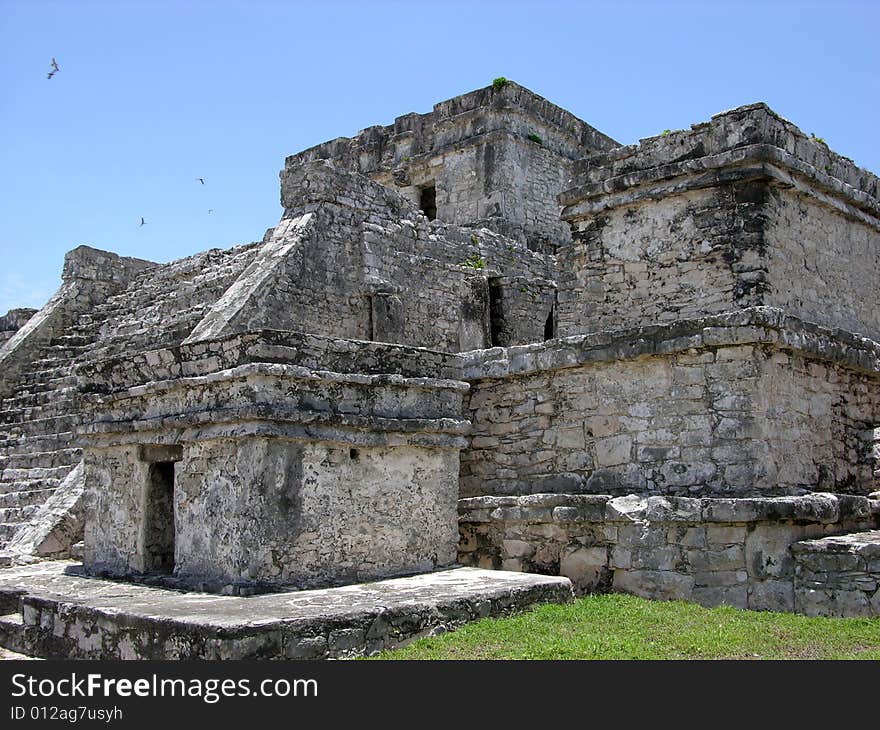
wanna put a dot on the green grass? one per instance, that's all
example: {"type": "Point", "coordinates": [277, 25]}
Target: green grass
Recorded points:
{"type": "Point", "coordinates": [617, 626]}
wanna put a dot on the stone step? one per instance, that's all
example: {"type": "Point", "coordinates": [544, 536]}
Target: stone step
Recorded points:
{"type": "Point", "coordinates": [70, 340]}
{"type": "Point", "coordinates": [54, 409]}
{"type": "Point", "coordinates": [34, 473]}
{"type": "Point", "coordinates": [43, 459]}
{"type": "Point", "coordinates": [39, 426]}
{"type": "Point", "coordinates": [30, 384]}
{"type": "Point", "coordinates": [12, 632]}
{"type": "Point", "coordinates": [18, 515]}
{"type": "Point", "coordinates": [35, 399]}
{"type": "Point", "coordinates": [25, 485]}
{"type": "Point", "coordinates": [26, 498]}
{"type": "Point", "coordinates": [35, 443]}
{"type": "Point", "coordinates": [7, 531]}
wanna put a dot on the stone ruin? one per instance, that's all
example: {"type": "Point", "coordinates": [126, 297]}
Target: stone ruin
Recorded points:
{"type": "Point", "coordinates": [490, 336]}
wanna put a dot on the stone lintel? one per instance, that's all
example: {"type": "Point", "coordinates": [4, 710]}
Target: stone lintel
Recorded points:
{"type": "Point", "coordinates": [754, 325]}
{"type": "Point", "coordinates": [152, 453]}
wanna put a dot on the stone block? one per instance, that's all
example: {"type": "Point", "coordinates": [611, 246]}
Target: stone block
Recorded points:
{"type": "Point", "coordinates": [725, 535]}
{"type": "Point", "coordinates": [771, 595]}
{"type": "Point", "coordinates": [305, 647]}
{"type": "Point", "coordinates": [655, 584]}
{"type": "Point", "coordinates": [630, 507]}
{"type": "Point", "coordinates": [736, 596]}
{"type": "Point", "coordinates": [662, 557]}
{"type": "Point", "coordinates": [729, 558]}
{"type": "Point", "coordinates": [828, 602]}
{"type": "Point", "coordinates": [673, 509]}
{"type": "Point", "coordinates": [720, 578]}
{"type": "Point", "coordinates": [613, 451]}
{"type": "Point", "coordinates": [687, 536]}
{"type": "Point", "coordinates": [516, 549]}
{"type": "Point", "coordinates": [584, 567]}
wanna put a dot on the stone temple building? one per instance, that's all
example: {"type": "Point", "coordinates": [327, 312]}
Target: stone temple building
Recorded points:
{"type": "Point", "coordinates": [488, 335]}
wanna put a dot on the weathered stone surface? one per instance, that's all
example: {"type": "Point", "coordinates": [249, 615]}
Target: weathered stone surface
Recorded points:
{"type": "Point", "coordinates": [838, 575]}
{"type": "Point", "coordinates": [661, 391]}
{"type": "Point", "coordinates": [603, 418]}
{"type": "Point", "coordinates": [723, 196]}
{"type": "Point", "coordinates": [664, 547]}
{"type": "Point", "coordinates": [71, 616]}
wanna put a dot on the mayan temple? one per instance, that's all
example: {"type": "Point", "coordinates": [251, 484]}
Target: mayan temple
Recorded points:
{"type": "Point", "coordinates": [487, 350]}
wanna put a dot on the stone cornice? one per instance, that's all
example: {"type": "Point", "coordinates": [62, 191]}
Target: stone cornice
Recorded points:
{"type": "Point", "coordinates": [752, 138]}
{"type": "Point", "coordinates": [755, 325]}
{"type": "Point", "coordinates": [294, 349]}
{"type": "Point", "coordinates": [818, 507]}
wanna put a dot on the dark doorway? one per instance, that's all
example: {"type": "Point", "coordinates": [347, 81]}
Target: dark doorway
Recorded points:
{"type": "Point", "coordinates": [159, 518]}
{"type": "Point", "coordinates": [498, 328]}
{"type": "Point", "coordinates": [428, 201]}
{"type": "Point", "coordinates": [549, 326]}
{"type": "Point", "coordinates": [371, 329]}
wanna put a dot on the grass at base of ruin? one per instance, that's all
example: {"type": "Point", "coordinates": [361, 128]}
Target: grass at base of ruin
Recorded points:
{"type": "Point", "coordinates": [618, 626]}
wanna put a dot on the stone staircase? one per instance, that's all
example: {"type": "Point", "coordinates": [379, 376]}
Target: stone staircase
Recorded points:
{"type": "Point", "coordinates": [37, 421]}
{"type": "Point", "coordinates": [162, 307]}
{"type": "Point", "coordinates": [41, 411]}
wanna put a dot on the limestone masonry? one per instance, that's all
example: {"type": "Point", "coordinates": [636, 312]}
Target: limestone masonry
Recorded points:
{"type": "Point", "coordinates": [489, 336]}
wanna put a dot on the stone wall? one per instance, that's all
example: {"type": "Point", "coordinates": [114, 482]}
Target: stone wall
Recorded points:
{"type": "Point", "coordinates": [825, 265]}
{"type": "Point", "coordinates": [373, 267]}
{"type": "Point", "coordinates": [741, 404]}
{"type": "Point", "coordinates": [496, 157]}
{"type": "Point", "coordinates": [740, 211]}
{"type": "Point", "coordinates": [710, 551]}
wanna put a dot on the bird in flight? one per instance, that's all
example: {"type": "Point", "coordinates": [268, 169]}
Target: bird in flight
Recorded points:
{"type": "Point", "coordinates": [54, 70]}
{"type": "Point", "coordinates": [143, 222]}
{"type": "Point", "coordinates": [210, 210]}
{"type": "Point", "coordinates": [201, 180]}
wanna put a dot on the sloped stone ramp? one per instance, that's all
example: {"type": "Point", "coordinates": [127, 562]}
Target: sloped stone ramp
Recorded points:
{"type": "Point", "coordinates": [54, 611]}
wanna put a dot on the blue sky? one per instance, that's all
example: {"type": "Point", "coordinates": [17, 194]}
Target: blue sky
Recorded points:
{"type": "Point", "coordinates": [152, 95]}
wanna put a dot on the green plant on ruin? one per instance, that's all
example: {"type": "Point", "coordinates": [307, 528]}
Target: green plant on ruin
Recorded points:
{"type": "Point", "coordinates": [819, 140]}
{"type": "Point", "coordinates": [666, 132]}
{"type": "Point", "coordinates": [536, 139]}
{"type": "Point", "coordinates": [476, 262]}
{"type": "Point", "coordinates": [499, 83]}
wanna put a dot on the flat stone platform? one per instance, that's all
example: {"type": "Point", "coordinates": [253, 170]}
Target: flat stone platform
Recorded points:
{"type": "Point", "coordinates": [54, 611]}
